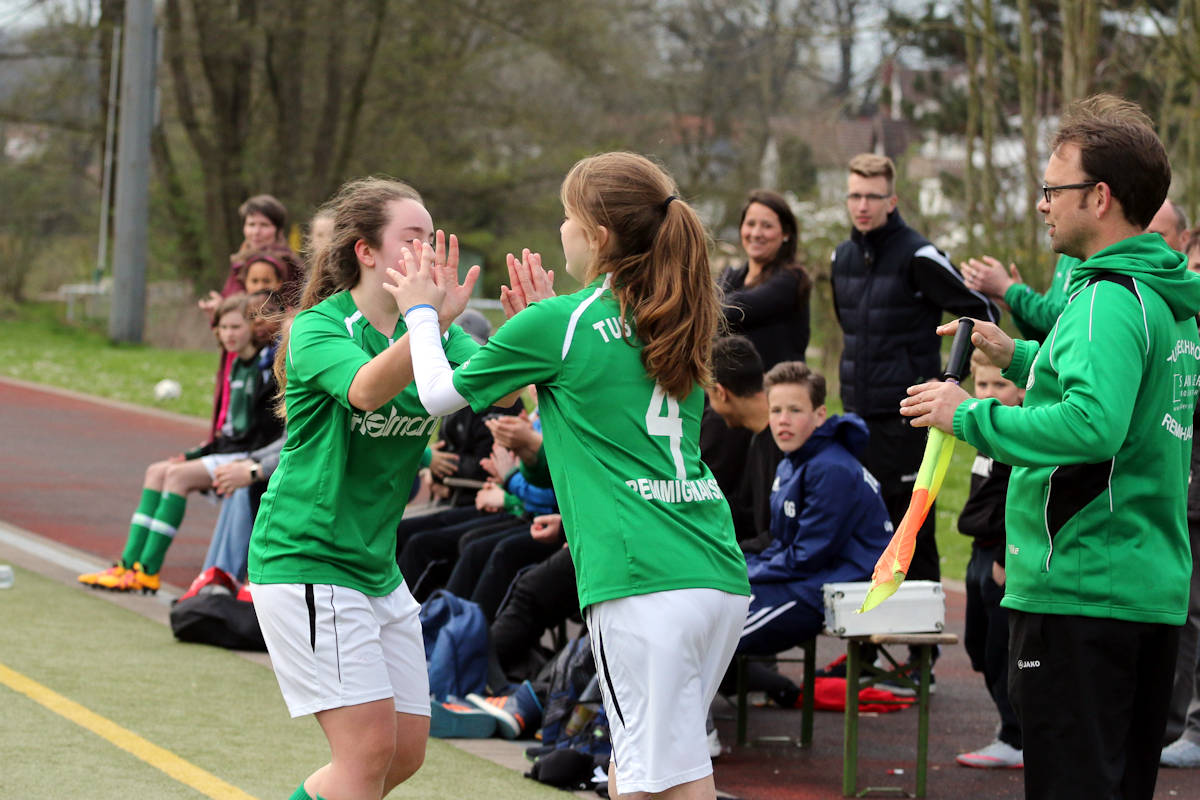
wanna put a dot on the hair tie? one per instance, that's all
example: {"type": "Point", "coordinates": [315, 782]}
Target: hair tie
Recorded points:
{"type": "Point", "coordinates": [667, 202]}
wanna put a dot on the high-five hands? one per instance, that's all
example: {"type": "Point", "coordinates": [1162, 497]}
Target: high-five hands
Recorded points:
{"type": "Point", "coordinates": [528, 282]}
{"type": "Point", "coordinates": [429, 275]}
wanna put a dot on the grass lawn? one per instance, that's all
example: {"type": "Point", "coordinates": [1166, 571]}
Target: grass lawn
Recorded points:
{"type": "Point", "coordinates": [37, 345]}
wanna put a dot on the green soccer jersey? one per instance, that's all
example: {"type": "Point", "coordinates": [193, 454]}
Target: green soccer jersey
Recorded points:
{"type": "Point", "coordinates": [641, 511]}
{"type": "Point", "coordinates": [330, 513]}
{"type": "Point", "coordinates": [244, 383]}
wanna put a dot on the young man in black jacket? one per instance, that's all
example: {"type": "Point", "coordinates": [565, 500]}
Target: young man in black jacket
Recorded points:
{"type": "Point", "coordinates": [891, 288]}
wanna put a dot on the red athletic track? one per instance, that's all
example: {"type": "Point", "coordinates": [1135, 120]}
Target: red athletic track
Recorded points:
{"type": "Point", "coordinates": [71, 470]}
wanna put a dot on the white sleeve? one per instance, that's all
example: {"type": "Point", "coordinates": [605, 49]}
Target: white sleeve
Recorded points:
{"type": "Point", "coordinates": [431, 370]}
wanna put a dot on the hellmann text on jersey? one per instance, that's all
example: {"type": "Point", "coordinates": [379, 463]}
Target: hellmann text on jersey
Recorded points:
{"type": "Point", "coordinates": [376, 425]}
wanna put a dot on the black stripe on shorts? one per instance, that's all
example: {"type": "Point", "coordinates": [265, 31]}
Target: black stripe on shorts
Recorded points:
{"type": "Point", "coordinates": [612, 693]}
{"type": "Point", "coordinates": [311, 601]}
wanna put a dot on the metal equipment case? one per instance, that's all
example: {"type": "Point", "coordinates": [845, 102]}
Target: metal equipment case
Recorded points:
{"type": "Point", "coordinates": [916, 607]}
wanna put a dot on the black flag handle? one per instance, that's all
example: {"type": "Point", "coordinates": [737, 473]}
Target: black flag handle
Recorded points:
{"type": "Point", "coordinates": [959, 362]}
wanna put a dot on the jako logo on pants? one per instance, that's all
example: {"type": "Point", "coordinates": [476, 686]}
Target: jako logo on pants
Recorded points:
{"type": "Point", "coordinates": [376, 425]}
{"type": "Point", "coordinates": [1028, 664]}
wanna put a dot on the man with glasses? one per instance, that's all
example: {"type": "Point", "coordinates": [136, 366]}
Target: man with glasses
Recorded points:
{"type": "Point", "coordinates": [890, 290]}
{"type": "Point", "coordinates": [1097, 563]}
{"type": "Point", "coordinates": [1036, 313]}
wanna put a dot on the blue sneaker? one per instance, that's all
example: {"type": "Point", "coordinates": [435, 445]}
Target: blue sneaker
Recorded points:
{"type": "Point", "coordinates": [517, 714]}
{"type": "Point", "coordinates": [454, 719]}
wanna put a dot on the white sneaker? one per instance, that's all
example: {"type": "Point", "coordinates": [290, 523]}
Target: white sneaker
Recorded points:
{"type": "Point", "coordinates": [1181, 753]}
{"type": "Point", "coordinates": [714, 744]}
{"type": "Point", "coordinates": [996, 755]}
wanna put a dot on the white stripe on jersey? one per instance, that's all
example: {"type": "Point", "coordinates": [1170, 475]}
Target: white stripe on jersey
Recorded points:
{"type": "Point", "coordinates": [578, 312]}
{"type": "Point", "coordinates": [933, 254]}
{"type": "Point", "coordinates": [350, 320]}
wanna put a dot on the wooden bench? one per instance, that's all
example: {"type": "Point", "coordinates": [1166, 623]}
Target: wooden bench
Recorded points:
{"type": "Point", "coordinates": [858, 676]}
{"type": "Point", "coordinates": [806, 707]}
{"type": "Point", "coordinates": [898, 674]}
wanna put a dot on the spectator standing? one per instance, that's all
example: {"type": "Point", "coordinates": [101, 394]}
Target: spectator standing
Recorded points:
{"type": "Point", "coordinates": [890, 290]}
{"type": "Point", "coordinates": [1098, 566]}
{"type": "Point", "coordinates": [766, 299]}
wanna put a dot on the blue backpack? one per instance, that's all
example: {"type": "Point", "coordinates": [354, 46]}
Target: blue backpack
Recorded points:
{"type": "Point", "coordinates": [456, 638]}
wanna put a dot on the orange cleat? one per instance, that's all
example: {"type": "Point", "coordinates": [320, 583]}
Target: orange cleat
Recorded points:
{"type": "Point", "coordinates": [103, 580]}
{"type": "Point", "coordinates": [134, 580]}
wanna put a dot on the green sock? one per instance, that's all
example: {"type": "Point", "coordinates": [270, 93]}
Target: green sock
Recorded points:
{"type": "Point", "coordinates": [162, 531]}
{"type": "Point", "coordinates": [139, 527]}
{"type": "Point", "coordinates": [300, 794]}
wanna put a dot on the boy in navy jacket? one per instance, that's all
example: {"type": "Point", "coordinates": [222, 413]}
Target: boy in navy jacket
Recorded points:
{"type": "Point", "coordinates": [828, 519]}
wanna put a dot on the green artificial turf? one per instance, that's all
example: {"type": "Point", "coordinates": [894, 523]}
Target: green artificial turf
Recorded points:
{"type": "Point", "coordinates": [210, 707]}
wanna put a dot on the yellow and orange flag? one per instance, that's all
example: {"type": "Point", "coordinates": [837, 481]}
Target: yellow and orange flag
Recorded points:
{"type": "Point", "coordinates": [893, 565]}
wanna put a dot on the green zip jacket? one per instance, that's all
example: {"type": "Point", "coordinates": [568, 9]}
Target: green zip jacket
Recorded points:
{"type": "Point", "coordinates": [1096, 503]}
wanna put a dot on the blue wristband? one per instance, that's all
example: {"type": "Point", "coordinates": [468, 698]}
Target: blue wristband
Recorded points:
{"type": "Point", "coordinates": [420, 305]}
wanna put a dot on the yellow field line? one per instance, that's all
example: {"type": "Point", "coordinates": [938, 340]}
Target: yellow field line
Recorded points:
{"type": "Point", "coordinates": [185, 772]}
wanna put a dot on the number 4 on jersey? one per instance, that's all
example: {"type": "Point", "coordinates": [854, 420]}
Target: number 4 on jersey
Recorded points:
{"type": "Point", "coordinates": [669, 425]}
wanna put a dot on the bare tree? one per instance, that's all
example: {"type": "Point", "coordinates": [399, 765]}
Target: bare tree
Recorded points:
{"type": "Point", "coordinates": [1080, 41]}
{"type": "Point", "coordinates": [1027, 91]}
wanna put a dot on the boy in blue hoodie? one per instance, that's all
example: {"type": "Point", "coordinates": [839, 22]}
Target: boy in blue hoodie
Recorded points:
{"type": "Point", "coordinates": [828, 519]}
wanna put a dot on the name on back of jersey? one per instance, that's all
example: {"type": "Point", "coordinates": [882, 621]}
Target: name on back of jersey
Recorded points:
{"type": "Point", "coordinates": [613, 329]}
{"type": "Point", "coordinates": [376, 425]}
{"type": "Point", "coordinates": [675, 490]}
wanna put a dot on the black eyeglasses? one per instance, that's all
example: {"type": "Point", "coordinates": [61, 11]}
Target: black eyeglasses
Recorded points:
{"type": "Point", "coordinates": [1046, 190]}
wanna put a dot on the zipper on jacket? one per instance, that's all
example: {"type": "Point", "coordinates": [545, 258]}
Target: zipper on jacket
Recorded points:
{"type": "Point", "coordinates": [1046, 520]}
{"type": "Point", "coordinates": [864, 336]}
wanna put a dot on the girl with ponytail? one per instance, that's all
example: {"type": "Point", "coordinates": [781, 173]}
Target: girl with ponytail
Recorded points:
{"type": "Point", "coordinates": [620, 367]}
{"type": "Point", "coordinates": [339, 621]}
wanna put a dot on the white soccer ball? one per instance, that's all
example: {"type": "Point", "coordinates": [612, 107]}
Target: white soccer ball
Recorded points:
{"type": "Point", "coordinates": [167, 389]}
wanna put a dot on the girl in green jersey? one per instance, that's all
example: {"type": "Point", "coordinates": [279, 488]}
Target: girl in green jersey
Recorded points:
{"type": "Point", "coordinates": [342, 629]}
{"type": "Point", "coordinates": [618, 367]}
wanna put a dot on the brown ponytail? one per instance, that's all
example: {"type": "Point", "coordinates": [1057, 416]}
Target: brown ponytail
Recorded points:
{"type": "Point", "coordinates": [360, 211]}
{"type": "Point", "coordinates": [657, 254]}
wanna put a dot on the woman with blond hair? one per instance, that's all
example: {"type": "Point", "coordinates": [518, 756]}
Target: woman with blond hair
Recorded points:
{"type": "Point", "coordinates": [619, 368]}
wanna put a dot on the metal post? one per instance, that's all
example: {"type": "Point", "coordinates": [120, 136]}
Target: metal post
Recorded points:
{"type": "Point", "coordinates": [127, 318]}
{"type": "Point", "coordinates": [106, 177]}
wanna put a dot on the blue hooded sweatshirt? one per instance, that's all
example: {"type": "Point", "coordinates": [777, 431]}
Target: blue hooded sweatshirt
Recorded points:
{"type": "Point", "coordinates": [828, 520]}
